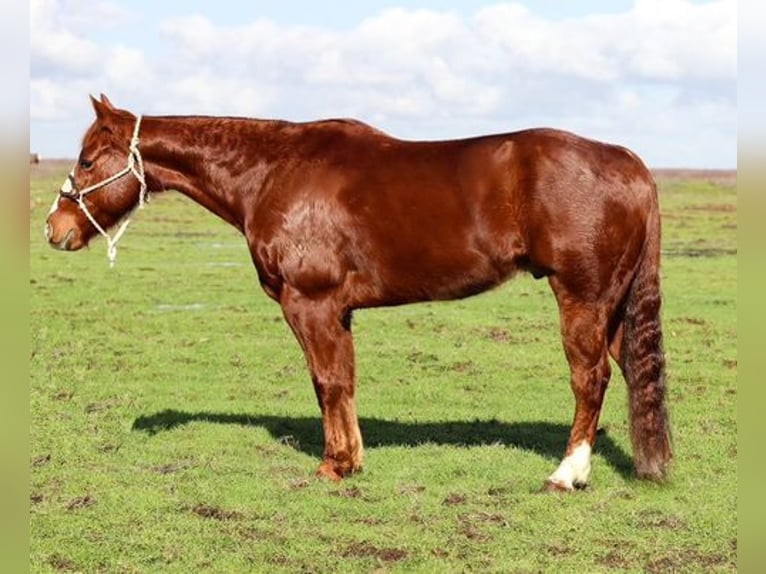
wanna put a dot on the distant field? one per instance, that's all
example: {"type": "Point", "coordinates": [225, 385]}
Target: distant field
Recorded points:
{"type": "Point", "coordinates": [722, 177]}
{"type": "Point", "coordinates": [174, 427]}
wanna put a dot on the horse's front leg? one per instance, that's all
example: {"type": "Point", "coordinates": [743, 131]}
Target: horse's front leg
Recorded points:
{"type": "Point", "coordinates": [323, 329]}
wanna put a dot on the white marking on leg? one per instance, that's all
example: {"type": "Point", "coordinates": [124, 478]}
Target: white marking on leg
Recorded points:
{"type": "Point", "coordinates": [575, 468]}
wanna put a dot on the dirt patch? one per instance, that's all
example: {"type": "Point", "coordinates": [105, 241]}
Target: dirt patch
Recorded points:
{"type": "Point", "coordinates": [350, 492]}
{"type": "Point", "coordinates": [369, 521]}
{"type": "Point", "coordinates": [299, 483]}
{"type": "Point", "coordinates": [730, 363]}
{"type": "Point", "coordinates": [63, 395]}
{"type": "Point", "coordinates": [468, 529]}
{"type": "Point", "coordinates": [490, 518]}
{"type": "Point", "coordinates": [62, 564]}
{"type": "Point", "coordinates": [41, 460]}
{"type": "Point", "coordinates": [620, 554]}
{"type": "Point", "coordinates": [214, 512]}
{"type": "Point", "coordinates": [454, 499]}
{"type": "Point", "coordinates": [417, 519]}
{"type": "Point", "coordinates": [691, 560]}
{"type": "Point", "coordinates": [81, 502]}
{"type": "Point", "coordinates": [279, 560]}
{"type": "Point", "coordinates": [36, 498]}
{"type": "Point", "coordinates": [558, 550]}
{"type": "Point", "coordinates": [468, 367]}
{"type": "Point", "coordinates": [473, 533]}
{"type": "Point", "coordinates": [366, 550]}
{"type": "Point", "coordinates": [614, 560]}
{"type": "Point", "coordinates": [469, 525]}
{"type": "Point", "coordinates": [498, 334]}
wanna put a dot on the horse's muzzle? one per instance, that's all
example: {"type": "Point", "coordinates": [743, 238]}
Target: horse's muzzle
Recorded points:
{"type": "Point", "coordinates": [64, 244]}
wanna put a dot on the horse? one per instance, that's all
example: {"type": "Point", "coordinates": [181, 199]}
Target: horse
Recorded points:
{"type": "Point", "coordinates": [340, 216]}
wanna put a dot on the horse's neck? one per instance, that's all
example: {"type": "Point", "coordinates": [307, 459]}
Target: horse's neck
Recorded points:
{"type": "Point", "coordinates": [206, 159]}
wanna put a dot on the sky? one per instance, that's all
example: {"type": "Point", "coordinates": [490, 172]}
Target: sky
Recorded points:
{"type": "Point", "coordinates": [659, 76]}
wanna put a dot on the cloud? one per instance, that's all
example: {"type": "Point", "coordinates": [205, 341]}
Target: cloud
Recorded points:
{"type": "Point", "coordinates": [420, 73]}
{"type": "Point", "coordinates": [59, 44]}
{"type": "Point", "coordinates": [56, 49]}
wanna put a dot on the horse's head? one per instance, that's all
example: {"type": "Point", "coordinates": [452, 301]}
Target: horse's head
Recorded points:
{"type": "Point", "coordinates": [107, 181]}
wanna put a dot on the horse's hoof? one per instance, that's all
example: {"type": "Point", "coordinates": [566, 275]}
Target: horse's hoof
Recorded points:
{"type": "Point", "coordinates": [655, 471]}
{"type": "Point", "coordinates": [556, 486]}
{"type": "Point", "coordinates": [330, 471]}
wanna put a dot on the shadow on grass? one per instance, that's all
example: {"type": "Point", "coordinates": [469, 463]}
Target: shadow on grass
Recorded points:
{"type": "Point", "coordinates": [305, 433]}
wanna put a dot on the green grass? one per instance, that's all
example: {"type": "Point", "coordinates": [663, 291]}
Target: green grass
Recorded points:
{"type": "Point", "coordinates": [174, 427]}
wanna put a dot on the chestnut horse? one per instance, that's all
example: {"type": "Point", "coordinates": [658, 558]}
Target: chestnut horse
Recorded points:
{"type": "Point", "coordinates": [339, 216]}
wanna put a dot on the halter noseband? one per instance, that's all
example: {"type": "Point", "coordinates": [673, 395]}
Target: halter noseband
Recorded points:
{"type": "Point", "coordinates": [135, 166]}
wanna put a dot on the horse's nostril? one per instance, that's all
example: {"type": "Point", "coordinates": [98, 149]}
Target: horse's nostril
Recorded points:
{"type": "Point", "coordinates": [63, 244]}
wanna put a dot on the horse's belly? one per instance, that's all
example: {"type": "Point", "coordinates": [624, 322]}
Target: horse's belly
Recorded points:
{"type": "Point", "coordinates": [450, 275]}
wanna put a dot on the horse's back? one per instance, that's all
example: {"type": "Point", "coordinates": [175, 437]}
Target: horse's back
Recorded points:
{"type": "Point", "coordinates": [533, 200]}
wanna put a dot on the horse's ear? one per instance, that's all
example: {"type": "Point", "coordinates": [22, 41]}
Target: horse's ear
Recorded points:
{"type": "Point", "coordinates": [106, 102]}
{"type": "Point", "coordinates": [103, 111]}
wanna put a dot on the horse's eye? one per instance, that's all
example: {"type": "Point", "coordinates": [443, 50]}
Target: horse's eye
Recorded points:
{"type": "Point", "coordinates": [85, 164]}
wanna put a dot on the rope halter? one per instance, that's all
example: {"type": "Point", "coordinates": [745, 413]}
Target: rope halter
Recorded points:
{"type": "Point", "coordinates": [135, 166]}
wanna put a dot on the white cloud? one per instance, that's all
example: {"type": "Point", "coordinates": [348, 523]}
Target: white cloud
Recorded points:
{"type": "Point", "coordinates": [419, 73]}
{"type": "Point", "coordinates": [44, 99]}
{"type": "Point", "coordinates": [128, 71]}
{"type": "Point", "coordinates": [656, 40]}
{"type": "Point", "coordinates": [55, 47]}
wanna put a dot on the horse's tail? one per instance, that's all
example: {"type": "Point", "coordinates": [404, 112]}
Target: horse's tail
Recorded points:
{"type": "Point", "coordinates": [643, 360]}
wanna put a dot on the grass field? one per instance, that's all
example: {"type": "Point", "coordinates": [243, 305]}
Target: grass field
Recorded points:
{"type": "Point", "coordinates": [174, 427]}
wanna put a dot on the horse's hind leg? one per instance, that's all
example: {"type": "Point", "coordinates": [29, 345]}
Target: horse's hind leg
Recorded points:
{"type": "Point", "coordinates": [323, 329]}
{"type": "Point", "coordinates": [583, 328]}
